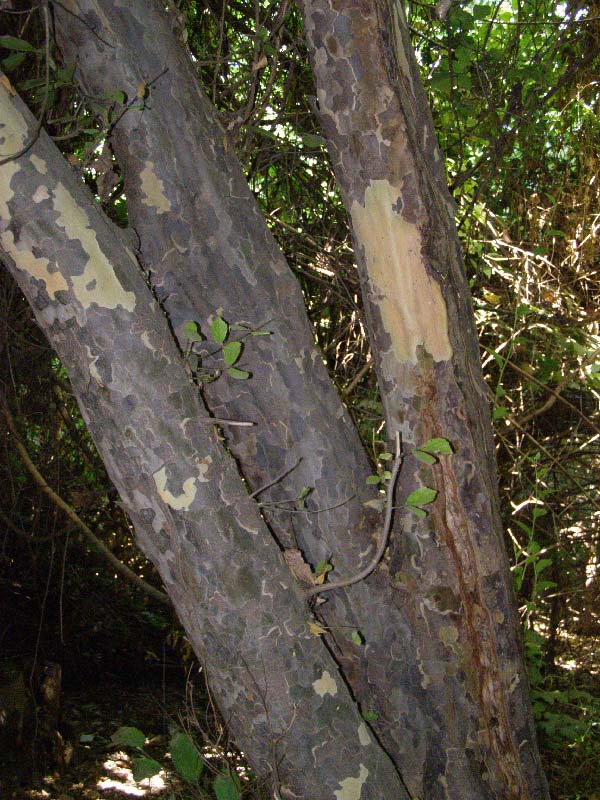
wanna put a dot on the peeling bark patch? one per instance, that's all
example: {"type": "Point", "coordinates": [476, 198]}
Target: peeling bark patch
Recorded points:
{"type": "Point", "coordinates": [410, 301]}
{"type": "Point", "coordinates": [40, 194]}
{"type": "Point", "coordinates": [39, 164]}
{"type": "Point", "coordinates": [153, 190]}
{"type": "Point", "coordinates": [363, 735]}
{"type": "Point", "coordinates": [13, 134]}
{"type": "Point", "coordinates": [98, 283]}
{"type": "Point", "coordinates": [325, 685]}
{"type": "Point", "coordinates": [351, 788]}
{"type": "Point", "coordinates": [177, 502]}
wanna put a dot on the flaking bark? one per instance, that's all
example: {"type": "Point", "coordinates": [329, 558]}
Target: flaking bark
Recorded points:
{"type": "Point", "coordinates": [283, 697]}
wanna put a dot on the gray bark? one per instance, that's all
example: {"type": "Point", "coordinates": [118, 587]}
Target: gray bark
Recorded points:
{"type": "Point", "coordinates": [441, 663]}
{"type": "Point", "coordinates": [284, 698]}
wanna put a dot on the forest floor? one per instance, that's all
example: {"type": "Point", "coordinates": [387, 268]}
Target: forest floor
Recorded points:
{"type": "Point", "coordinates": [102, 770]}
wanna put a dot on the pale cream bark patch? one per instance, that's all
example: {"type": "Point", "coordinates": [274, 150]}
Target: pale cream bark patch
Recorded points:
{"type": "Point", "coordinates": [98, 283]}
{"type": "Point", "coordinates": [39, 164]}
{"type": "Point", "coordinates": [351, 788]}
{"type": "Point", "coordinates": [325, 685]}
{"type": "Point", "coordinates": [177, 502]}
{"type": "Point", "coordinates": [364, 736]}
{"type": "Point", "coordinates": [13, 136]}
{"type": "Point", "coordinates": [413, 311]}
{"type": "Point", "coordinates": [153, 190]}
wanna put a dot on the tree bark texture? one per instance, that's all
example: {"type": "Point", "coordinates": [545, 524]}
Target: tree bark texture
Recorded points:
{"type": "Point", "coordinates": [441, 664]}
{"type": "Point", "coordinates": [286, 703]}
{"type": "Point", "coordinates": [450, 570]}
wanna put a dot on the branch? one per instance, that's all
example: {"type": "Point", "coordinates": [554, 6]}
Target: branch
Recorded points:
{"type": "Point", "coordinates": [66, 509]}
{"type": "Point", "coordinates": [385, 533]}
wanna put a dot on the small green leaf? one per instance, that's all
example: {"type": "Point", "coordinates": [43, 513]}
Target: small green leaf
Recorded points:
{"type": "Point", "coordinates": [231, 352]}
{"type": "Point", "coordinates": [385, 456]}
{"type": "Point", "coordinates": [12, 43]}
{"type": "Point", "coordinates": [225, 788]}
{"type": "Point", "coordinates": [373, 479]}
{"type": "Point", "coordinates": [145, 768]}
{"type": "Point", "coordinates": [192, 332]}
{"type": "Point", "coordinates": [219, 330]}
{"type": "Point", "coordinates": [118, 96]}
{"type": "Point", "coordinates": [262, 333]}
{"type": "Point", "coordinates": [500, 412]}
{"type": "Point", "coordinates": [13, 61]}
{"type": "Point", "coordinates": [370, 716]}
{"type": "Point", "coordinates": [312, 140]}
{"type": "Point", "coordinates": [86, 738]}
{"type": "Point", "coordinates": [357, 638]}
{"type": "Point", "coordinates": [426, 458]}
{"type": "Point", "coordinates": [131, 737]}
{"type": "Point", "coordinates": [238, 374]}
{"type": "Point", "coordinates": [323, 566]}
{"type": "Point", "coordinates": [421, 497]}
{"type": "Point", "coordinates": [304, 492]}
{"type": "Point", "coordinates": [186, 757]}
{"type": "Point", "coordinates": [418, 512]}
{"type": "Point", "coordinates": [386, 474]}
{"type": "Point", "coordinates": [438, 445]}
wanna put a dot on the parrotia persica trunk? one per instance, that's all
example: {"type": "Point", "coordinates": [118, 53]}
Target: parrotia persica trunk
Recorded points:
{"type": "Point", "coordinates": [440, 664]}
{"type": "Point", "coordinates": [276, 684]}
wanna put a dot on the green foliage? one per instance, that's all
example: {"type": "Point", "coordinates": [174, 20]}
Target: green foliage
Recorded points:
{"type": "Point", "coordinates": [187, 759]}
{"type": "Point", "coordinates": [202, 356]}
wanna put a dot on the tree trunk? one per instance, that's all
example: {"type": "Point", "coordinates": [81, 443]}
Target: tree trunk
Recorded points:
{"type": "Point", "coordinates": [450, 569]}
{"type": "Point", "coordinates": [441, 664]}
{"type": "Point", "coordinates": [283, 697]}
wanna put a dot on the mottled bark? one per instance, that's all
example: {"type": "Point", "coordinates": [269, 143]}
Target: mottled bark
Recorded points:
{"type": "Point", "coordinates": [449, 570]}
{"type": "Point", "coordinates": [283, 697]}
{"type": "Point", "coordinates": [440, 663]}
{"type": "Point", "coordinates": [207, 248]}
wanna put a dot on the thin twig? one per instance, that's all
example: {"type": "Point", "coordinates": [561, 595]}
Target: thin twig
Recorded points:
{"type": "Point", "coordinates": [385, 532]}
{"type": "Point", "coordinates": [279, 477]}
{"type": "Point", "coordinates": [72, 515]}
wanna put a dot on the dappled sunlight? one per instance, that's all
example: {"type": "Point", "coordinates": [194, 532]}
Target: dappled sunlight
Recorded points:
{"type": "Point", "coordinates": [120, 778]}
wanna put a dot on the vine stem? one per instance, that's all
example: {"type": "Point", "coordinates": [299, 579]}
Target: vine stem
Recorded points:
{"type": "Point", "coordinates": [385, 531]}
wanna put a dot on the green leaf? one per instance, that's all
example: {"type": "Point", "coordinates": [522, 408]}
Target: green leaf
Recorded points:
{"type": "Point", "coordinates": [312, 140]}
{"type": "Point", "coordinates": [145, 768]}
{"type": "Point", "coordinates": [373, 479]}
{"type": "Point", "coordinates": [219, 330]}
{"type": "Point", "coordinates": [130, 737]}
{"type": "Point", "coordinates": [323, 566]}
{"type": "Point", "coordinates": [385, 456]}
{"type": "Point", "coordinates": [12, 43]}
{"type": "Point", "coordinates": [186, 757]}
{"type": "Point", "coordinates": [262, 333]}
{"type": "Point", "coordinates": [13, 61]}
{"type": "Point", "coordinates": [370, 716]}
{"type": "Point", "coordinates": [421, 497]}
{"type": "Point", "coordinates": [357, 638]}
{"type": "Point", "coordinates": [238, 374]}
{"type": "Point", "coordinates": [438, 445]}
{"type": "Point", "coordinates": [418, 512]}
{"type": "Point", "coordinates": [192, 332]}
{"type": "Point", "coordinates": [225, 788]}
{"type": "Point", "coordinates": [426, 458]}
{"type": "Point", "coordinates": [386, 474]}
{"type": "Point", "coordinates": [500, 412]}
{"type": "Point", "coordinates": [231, 352]}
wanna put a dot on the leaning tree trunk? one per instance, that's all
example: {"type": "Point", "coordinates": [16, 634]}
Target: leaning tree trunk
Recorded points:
{"type": "Point", "coordinates": [450, 570]}
{"type": "Point", "coordinates": [205, 248]}
{"type": "Point", "coordinates": [283, 697]}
